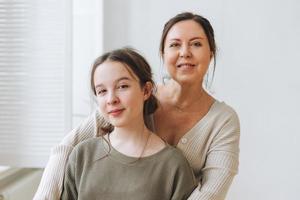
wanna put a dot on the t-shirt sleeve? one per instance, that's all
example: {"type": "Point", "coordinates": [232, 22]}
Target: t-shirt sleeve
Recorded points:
{"type": "Point", "coordinates": [184, 182]}
{"type": "Point", "coordinates": [51, 183]}
{"type": "Point", "coordinates": [69, 191]}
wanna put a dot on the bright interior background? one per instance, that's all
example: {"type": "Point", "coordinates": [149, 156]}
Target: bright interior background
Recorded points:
{"type": "Point", "coordinates": [257, 73]}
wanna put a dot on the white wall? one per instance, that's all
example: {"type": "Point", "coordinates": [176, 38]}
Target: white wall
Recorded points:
{"type": "Point", "coordinates": [87, 45]}
{"type": "Point", "coordinates": [257, 73]}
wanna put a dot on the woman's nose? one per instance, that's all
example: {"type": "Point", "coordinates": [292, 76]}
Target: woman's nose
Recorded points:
{"type": "Point", "coordinates": [185, 51]}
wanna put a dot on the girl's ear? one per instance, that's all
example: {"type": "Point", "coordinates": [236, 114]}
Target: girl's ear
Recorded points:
{"type": "Point", "coordinates": [147, 90]}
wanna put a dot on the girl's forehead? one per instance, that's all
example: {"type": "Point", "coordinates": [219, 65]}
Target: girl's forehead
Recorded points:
{"type": "Point", "coordinates": [111, 71]}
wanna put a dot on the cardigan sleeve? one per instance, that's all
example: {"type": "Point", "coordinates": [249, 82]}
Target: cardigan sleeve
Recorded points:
{"type": "Point", "coordinates": [221, 163]}
{"type": "Point", "coordinates": [50, 186]}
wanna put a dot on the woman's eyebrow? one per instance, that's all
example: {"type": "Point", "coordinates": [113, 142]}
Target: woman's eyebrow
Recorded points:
{"type": "Point", "coordinates": [197, 38]}
{"type": "Point", "coordinates": [193, 38]}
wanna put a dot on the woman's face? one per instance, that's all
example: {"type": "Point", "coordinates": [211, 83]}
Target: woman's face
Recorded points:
{"type": "Point", "coordinates": [187, 53]}
{"type": "Point", "coordinates": [119, 94]}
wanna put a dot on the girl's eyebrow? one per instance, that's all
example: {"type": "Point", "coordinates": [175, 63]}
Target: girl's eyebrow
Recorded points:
{"type": "Point", "coordinates": [116, 81]}
{"type": "Point", "coordinates": [174, 39]}
{"type": "Point", "coordinates": [123, 78]}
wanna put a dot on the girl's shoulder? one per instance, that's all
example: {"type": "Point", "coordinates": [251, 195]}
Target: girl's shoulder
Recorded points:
{"type": "Point", "coordinates": [174, 155]}
{"type": "Point", "coordinates": [91, 149]}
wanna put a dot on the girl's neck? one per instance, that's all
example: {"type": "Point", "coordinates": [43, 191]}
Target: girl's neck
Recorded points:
{"type": "Point", "coordinates": [131, 141]}
{"type": "Point", "coordinates": [127, 134]}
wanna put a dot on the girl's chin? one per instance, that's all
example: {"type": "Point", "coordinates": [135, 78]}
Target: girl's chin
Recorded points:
{"type": "Point", "coordinates": [118, 123]}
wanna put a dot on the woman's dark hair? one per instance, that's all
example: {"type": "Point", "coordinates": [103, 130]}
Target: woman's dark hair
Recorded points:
{"type": "Point", "coordinates": [139, 66]}
{"type": "Point", "coordinates": [202, 21]}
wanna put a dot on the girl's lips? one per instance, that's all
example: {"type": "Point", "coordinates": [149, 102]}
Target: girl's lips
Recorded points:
{"type": "Point", "coordinates": [115, 112]}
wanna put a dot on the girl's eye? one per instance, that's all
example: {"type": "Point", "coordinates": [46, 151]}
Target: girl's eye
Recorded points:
{"type": "Point", "coordinates": [123, 86]}
{"type": "Point", "coordinates": [100, 92]}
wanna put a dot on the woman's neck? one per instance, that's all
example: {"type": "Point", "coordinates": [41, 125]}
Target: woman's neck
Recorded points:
{"type": "Point", "coordinates": [183, 96]}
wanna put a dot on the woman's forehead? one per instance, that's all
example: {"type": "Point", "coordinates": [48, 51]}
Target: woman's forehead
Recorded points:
{"type": "Point", "coordinates": [186, 28]}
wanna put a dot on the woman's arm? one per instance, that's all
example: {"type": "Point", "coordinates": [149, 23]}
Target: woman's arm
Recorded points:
{"type": "Point", "coordinates": [221, 164]}
{"type": "Point", "coordinates": [50, 186]}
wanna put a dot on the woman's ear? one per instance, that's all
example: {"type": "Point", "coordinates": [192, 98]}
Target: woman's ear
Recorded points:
{"type": "Point", "coordinates": [147, 90]}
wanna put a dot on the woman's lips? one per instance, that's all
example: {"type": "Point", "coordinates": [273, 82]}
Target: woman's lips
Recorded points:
{"type": "Point", "coordinates": [185, 65]}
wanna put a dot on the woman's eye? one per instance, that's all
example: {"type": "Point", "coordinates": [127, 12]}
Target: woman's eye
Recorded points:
{"type": "Point", "coordinates": [174, 44]}
{"type": "Point", "coordinates": [197, 44]}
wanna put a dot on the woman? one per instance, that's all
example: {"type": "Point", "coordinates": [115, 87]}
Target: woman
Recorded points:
{"type": "Point", "coordinates": [114, 166]}
{"type": "Point", "coordinates": [204, 129]}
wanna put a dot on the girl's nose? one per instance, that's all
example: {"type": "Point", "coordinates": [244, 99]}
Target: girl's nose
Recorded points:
{"type": "Point", "coordinates": [112, 99]}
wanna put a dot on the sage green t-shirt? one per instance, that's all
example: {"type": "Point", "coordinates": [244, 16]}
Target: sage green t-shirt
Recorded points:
{"type": "Point", "coordinates": [91, 173]}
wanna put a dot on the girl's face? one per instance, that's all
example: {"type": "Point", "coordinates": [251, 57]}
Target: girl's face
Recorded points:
{"type": "Point", "coordinates": [187, 53]}
{"type": "Point", "coordinates": [119, 94]}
